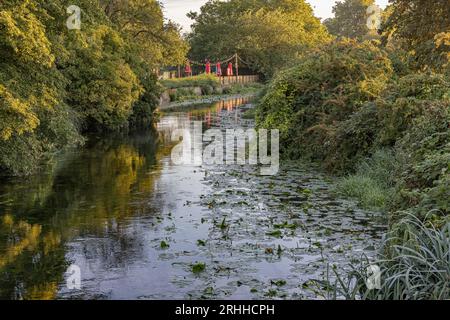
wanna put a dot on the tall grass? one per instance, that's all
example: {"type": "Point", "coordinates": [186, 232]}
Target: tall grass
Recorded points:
{"type": "Point", "coordinates": [373, 181]}
{"type": "Point", "coordinates": [414, 264]}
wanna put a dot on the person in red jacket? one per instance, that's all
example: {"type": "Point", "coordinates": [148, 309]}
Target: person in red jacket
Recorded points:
{"type": "Point", "coordinates": [230, 69]}
{"type": "Point", "coordinates": [208, 67]}
{"type": "Point", "coordinates": [218, 69]}
{"type": "Point", "coordinates": [188, 69]}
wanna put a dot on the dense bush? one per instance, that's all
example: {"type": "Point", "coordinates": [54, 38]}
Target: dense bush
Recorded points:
{"type": "Point", "coordinates": [342, 104]}
{"type": "Point", "coordinates": [424, 182]}
{"type": "Point", "coordinates": [412, 117]}
{"type": "Point", "coordinates": [310, 101]}
{"type": "Point", "coordinates": [143, 110]}
{"type": "Point", "coordinates": [202, 80]}
{"type": "Point", "coordinates": [406, 99]}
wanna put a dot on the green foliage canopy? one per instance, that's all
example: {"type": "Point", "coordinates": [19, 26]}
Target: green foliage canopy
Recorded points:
{"type": "Point", "coordinates": [266, 34]}
{"type": "Point", "coordinates": [309, 101]}
{"type": "Point", "coordinates": [422, 27]}
{"type": "Point", "coordinates": [350, 19]}
{"type": "Point", "coordinates": [57, 83]}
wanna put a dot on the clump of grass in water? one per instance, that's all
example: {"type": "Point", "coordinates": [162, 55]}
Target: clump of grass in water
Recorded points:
{"type": "Point", "coordinates": [223, 225]}
{"type": "Point", "coordinates": [164, 245]}
{"type": "Point", "coordinates": [415, 265]}
{"type": "Point", "coordinates": [366, 190]}
{"type": "Point", "coordinates": [198, 267]}
{"type": "Point", "coordinates": [275, 233]}
{"type": "Point", "coordinates": [373, 182]}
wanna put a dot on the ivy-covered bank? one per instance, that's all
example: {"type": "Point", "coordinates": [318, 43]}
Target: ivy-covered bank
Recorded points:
{"type": "Point", "coordinates": [345, 106]}
{"type": "Point", "coordinates": [57, 84]}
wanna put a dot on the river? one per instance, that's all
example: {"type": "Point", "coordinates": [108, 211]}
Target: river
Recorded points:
{"type": "Point", "coordinates": [139, 227]}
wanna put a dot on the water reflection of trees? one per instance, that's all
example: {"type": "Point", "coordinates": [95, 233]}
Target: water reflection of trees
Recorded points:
{"type": "Point", "coordinates": [91, 192]}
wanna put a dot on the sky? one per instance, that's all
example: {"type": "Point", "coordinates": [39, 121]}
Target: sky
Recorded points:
{"type": "Point", "coordinates": [176, 9]}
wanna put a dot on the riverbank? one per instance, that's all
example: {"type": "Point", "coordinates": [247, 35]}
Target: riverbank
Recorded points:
{"type": "Point", "coordinates": [204, 100]}
{"type": "Point", "coordinates": [205, 88]}
{"type": "Point", "coordinates": [387, 133]}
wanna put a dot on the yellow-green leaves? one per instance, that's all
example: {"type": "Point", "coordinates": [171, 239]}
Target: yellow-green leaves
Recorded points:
{"type": "Point", "coordinates": [16, 116]}
{"type": "Point", "coordinates": [419, 26]}
{"type": "Point", "coordinates": [25, 35]}
{"type": "Point", "coordinates": [56, 82]}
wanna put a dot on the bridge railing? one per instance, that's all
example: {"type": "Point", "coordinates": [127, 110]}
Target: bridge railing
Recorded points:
{"type": "Point", "coordinates": [227, 80]}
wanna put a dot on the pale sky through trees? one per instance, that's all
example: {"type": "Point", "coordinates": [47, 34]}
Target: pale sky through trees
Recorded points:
{"type": "Point", "coordinates": [176, 9]}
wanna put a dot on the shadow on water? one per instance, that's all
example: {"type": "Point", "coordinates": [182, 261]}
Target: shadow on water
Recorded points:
{"type": "Point", "coordinates": [135, 223]}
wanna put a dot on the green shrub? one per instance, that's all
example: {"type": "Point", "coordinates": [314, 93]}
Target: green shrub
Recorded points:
{"type": "Point", "coordinates": [21, 154]}
{"type": "Point", "coordinates": [424, 179]}
{"type": "Point", "coordinates": [207, 90]}
{"type": "Point", "coordinates": [143, 112]}
{"type": "Point", "coordinates": [373, 182]}
{"type": "Point", "coordinates": [405, 100]}
{"type": "Point", "coordinates": [202, 80]}
{"type": "Point", "coordinates": [354, 139]}
{"type": "Point", "coordinates": [309, 101]}
{"type": "Point", "coordinates": [412, 117]}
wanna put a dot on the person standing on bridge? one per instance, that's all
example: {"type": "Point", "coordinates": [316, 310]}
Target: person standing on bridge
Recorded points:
{"type": "Point", "coordinates": [208, 67]}
{"type": "Point", "coordinates": [230, 69]}
{"type": "Point", "coordinates": [218, 69]}
{"type": "Point", "coordinates": [188, 69]}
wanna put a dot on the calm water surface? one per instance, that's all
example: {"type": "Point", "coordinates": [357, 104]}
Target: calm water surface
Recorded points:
{"type": "Point", "coordinates": [136, 224]}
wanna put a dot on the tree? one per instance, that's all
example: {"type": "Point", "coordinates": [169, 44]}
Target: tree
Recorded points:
{"type": "Point", "coordinates": [350, 19]}
{"type": "Point", "coordinates": [423, 28]}
{"type": "Point", "coordinates": [34, 119]}
{"type": "Point", "coordinates": [266, 34]}
{"type": "Point", "coordinates": [141, 22]}
{"type": "Point", "coordinates": [56, 83]}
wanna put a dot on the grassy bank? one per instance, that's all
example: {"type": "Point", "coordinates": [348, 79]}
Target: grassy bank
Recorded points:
{"type": "Point", "coordinates": [373, 181]}
{"type": "Point", "coordinates": [202, 80]}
